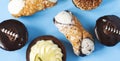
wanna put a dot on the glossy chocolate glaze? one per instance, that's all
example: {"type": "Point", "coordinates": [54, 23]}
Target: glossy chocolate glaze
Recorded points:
{"type": "Point", "coordinates": [107, 30]}
{"type": "Point", "coordinates": [16, 34]}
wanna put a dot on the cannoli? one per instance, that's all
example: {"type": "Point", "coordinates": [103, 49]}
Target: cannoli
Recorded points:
{"type": "Point", "coordinates": [107, 30]}
{"type": "Point", "coordinates": [80, 39]}
{"type": "Point", "coordinates": [20, 8]}
{"type": "Point", "coordinates": [13, 35]}
{"type": "Point", "coordinates": [46, 48]}
{"type": "Point", "coordinates": [87, 4]}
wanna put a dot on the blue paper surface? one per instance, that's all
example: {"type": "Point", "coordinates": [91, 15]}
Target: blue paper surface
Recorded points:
{"type": "Point", "coordinates": [41, 23]}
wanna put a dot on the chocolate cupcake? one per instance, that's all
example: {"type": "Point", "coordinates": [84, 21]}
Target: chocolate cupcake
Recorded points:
{"type": "Point", "coordinates": [87, 4]}
{"type": "Point", "coordinates": [46, 48]}
{"type": "Point", "coordinates": [13, 35]}
{"type": "Point", "coordinates": [107, 30]}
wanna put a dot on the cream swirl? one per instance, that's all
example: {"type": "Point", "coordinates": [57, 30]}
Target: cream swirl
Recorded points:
{"type": "Point", "coordinates": [45, 51]}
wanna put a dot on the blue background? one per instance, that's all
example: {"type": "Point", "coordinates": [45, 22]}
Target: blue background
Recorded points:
{"type": "Point", "coordinates": [41, 23]}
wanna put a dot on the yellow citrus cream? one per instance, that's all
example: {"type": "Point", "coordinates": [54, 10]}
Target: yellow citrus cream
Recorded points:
{"type": "Point", "coordinates": [45, 50]}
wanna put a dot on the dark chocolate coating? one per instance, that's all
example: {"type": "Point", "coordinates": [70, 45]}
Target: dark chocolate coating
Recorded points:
{"type": "Point", "coordinates": [2, 37]}
{"type": "Point", "coordinates": [107, 30]}
{"type": "Point", "coordinates": [47, 37]}
{"type": "Point", "coordinates": [13, 27]}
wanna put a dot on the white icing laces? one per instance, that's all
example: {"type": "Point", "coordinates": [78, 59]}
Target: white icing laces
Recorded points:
{"type": "Point", "coordinates": [12, 34]}
{"type": "Point", "coordinates": [15, 6]}
{"type": "Point", "coordinates": [110, 28]}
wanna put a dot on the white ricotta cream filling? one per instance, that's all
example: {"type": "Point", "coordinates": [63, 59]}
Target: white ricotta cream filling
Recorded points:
{"type": "Point", "coordinates": [64, 17]}
{"type": "Point", "coordinates": [87, 46]}
{"type": "Point", "coordinates": [15, 6]}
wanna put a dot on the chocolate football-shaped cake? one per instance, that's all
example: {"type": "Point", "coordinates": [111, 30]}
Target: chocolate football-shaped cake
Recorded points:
{"type": "Point", "coordinates": [13, 35]}
{"type": "Point", "coordinates": [107, 30]}
{"type": "Point", "coordinates": [46, 48]}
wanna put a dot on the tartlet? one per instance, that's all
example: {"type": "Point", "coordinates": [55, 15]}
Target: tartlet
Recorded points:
{"type": "Point", "coordinates": [59, 50]}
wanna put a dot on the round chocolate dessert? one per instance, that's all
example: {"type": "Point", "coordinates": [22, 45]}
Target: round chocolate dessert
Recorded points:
{"type": "Point", "coordinates": [107, 30]}
{"type": "Point", "coordinates": [46, 48]}
{"type": "Point", "coordinates": [13, 35]}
